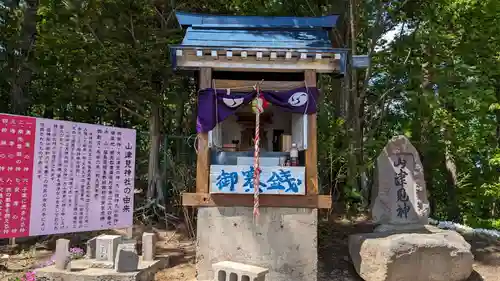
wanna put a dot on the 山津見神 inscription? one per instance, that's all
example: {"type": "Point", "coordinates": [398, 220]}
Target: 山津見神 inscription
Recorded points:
{"type": "Point", "coordinates": [400, 181]}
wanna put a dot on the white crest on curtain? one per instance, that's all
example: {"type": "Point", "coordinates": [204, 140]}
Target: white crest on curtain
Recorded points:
{"type": "Point", "coordinates": [298, 99]}
{"type": "Point", "coordinates": [233, 102]}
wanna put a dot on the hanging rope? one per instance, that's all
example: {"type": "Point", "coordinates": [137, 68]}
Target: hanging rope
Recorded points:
{"type": "Point", "coordinates": [258, 108]}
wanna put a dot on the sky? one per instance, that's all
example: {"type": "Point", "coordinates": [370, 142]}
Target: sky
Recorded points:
{"type": "Point", "coordinates": [390, 36]}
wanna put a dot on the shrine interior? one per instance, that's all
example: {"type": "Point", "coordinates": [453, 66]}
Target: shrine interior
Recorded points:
{"type": "Point", "coordinates": [232, 141]}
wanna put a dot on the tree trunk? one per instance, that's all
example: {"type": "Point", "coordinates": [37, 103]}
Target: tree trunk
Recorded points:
{"type": "Point", "coordinates": [353, 112]}
{"type": "Point", "coordinates": [154, 178]}
{"type": "Point", "coordinates": [497, 114]}
{"type": "Point", "coordinates": [421, 127]}
{"type": "Point", "coordinates": [451, 181]}
{"type": "Point", "coordinates": [22, 72]}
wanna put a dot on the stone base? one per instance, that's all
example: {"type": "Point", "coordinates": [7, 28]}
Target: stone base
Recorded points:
{"type": "Point", "coordinates": [429, 255]}
{"type": "Point", "coordinates": [402, 228]}
{"type": "Point", "coordinates": [284, 240]}
{"type": "Point", "coordinates": [102, 264]}
{"type": "Point", "coordinates": [82, 270]}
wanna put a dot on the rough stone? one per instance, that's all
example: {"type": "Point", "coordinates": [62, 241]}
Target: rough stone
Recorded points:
{"type": "Point", "coordinates": [127, 259]}
{"type": "Point", "coordinates": [429, 255]}
{"type": "Point", "coordinates": [62, 259]}
{"type": "Point", "coordinates": [106, 246]}
{"type": "Point", "coordinates": [148, 246]}
{"type": "Point", "coordinates": [399, 195]}
{"type": "Point", "coordinates": [284, 240]}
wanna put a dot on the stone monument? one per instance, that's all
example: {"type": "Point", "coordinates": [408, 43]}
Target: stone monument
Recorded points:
{"type": "Point", "coordinates": [403, 246]}
{"type": "Point", "coordinates": [127, 259]}
{"type": "Point", "coordinates": [399, 198]}
{"type": "Point", "coordinates": [148, 246]}
{"type": "Point", "coordinates": [62, 257]}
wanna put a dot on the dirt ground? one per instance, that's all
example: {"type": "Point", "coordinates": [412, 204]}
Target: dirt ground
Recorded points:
{"type": "Point", "coordinates": [334, 263]}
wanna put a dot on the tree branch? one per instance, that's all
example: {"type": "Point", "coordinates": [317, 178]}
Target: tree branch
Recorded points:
{"type": "Point", "coordinates": [373, 43]}
{"type": "Point", "coordinates": [112, 100]}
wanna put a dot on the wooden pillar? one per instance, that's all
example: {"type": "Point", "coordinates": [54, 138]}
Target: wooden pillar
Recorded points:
{"type": "Point", "coordinates": [312, 144]}
{"type": "Point", "coordinates": [203, 159]}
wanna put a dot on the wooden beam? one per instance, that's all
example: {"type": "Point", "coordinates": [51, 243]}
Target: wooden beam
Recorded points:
{"type": "Point", "coordinates": [261, 65]}
{"type": "Point", "coordinates": [258, 63]}
{"type": "Point", "coordinates": [278, 65]}
{"type": "Point", "coordinates": [266, 200]}
{"type": "Point", "coordinates": [247, 85]}
{"type": "Point", "coordinates": [203, 158]}
{"type": "Point", "coordinates": [312, 144]}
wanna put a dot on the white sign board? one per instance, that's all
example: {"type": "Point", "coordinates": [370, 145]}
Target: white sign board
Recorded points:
{"type": "Point", "coordinates": [238, 179]}
{"type": "Point", "coordinates": [60, 177]}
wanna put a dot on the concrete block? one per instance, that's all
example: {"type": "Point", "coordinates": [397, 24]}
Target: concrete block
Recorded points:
{"type": "Point", "coordinates": [106, 246]}
{"type": "Point", "coordinates": [284, 240]}
{"type": "Point", "coordinates": [127, 259]}
{"type": "Point", "coordinates": [229, 271]}
{"type": "Point", "coordinates": [62, 259]}
{"type": "Point", "coordinates": [148, 246]}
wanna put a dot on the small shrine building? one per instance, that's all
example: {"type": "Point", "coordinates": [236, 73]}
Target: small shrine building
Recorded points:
{"type": "Point", "coordinates": [257, 84]}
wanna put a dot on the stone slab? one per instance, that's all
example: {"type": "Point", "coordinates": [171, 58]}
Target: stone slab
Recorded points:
{"type": "Point", "coordinates": [81, 271]}
{"type": "Point", "coordinates": [284, 240]}
{"type": "Point", "coordinates": [127, 259]}
{"type": "Point", "coordinates": [431, 254]}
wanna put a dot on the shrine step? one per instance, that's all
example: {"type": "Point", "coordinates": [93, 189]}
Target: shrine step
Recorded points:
{"type": "Point", "coordinates": [234, 271]}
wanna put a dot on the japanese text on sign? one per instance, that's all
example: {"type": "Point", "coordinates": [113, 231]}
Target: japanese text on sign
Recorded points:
{"type": "Point", "coordinates": [273, 180]}
{"type": "Point", "coordinates": [57, 176]}
{"type": "Point", "coordinates": [17, 138]}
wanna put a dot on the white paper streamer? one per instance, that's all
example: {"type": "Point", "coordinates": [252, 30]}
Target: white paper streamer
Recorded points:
{"type": "Point", "coordinates": [465, 229]}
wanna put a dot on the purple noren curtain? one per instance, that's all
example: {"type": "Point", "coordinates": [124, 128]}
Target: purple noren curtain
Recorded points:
{"type": "Point", "coordinates": [214, 106]}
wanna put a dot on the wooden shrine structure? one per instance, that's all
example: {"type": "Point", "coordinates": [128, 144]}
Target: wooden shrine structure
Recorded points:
{"type": "Point", "coordinates": [257, 127]}
{"type": "Point", "coordinates": [233, 54]}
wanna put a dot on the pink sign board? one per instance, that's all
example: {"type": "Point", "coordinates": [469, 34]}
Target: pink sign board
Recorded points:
{"type": "Point", "coordinates": [59, 176]}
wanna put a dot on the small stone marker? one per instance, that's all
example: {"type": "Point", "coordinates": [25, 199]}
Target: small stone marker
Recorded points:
{"type": "Point", "coordinates": [62, 259]}
{"type": "Point", "coordinates": [148, 246]}
{"type": "Point", "coordinates": [127, 259]}
{"type": "Point", "coordinates": [400, 197]}
{"type": "Point", "coordinates": [106, 246]}
{"type": "Point", "coordinates": [91, 248]}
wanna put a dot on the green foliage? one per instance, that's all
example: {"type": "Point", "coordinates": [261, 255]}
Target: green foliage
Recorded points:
{"type": "Point", "coordinates": [107, 62]}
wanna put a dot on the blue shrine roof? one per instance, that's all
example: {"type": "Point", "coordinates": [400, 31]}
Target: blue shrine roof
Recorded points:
{"type": "Point", "coordinates": [219, 21]}
{"type": "Point", "coordinates": [256, 31]}
{"type": "Point", "coordinates": [228, 38]}
{"type": "Point", "coordinates": [306, 39]}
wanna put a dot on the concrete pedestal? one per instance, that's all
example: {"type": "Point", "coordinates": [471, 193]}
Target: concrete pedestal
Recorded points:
{"type": "Point", "coordinates": [283, 240]}
{"type": "Point", "coordinates": [83, 270]}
